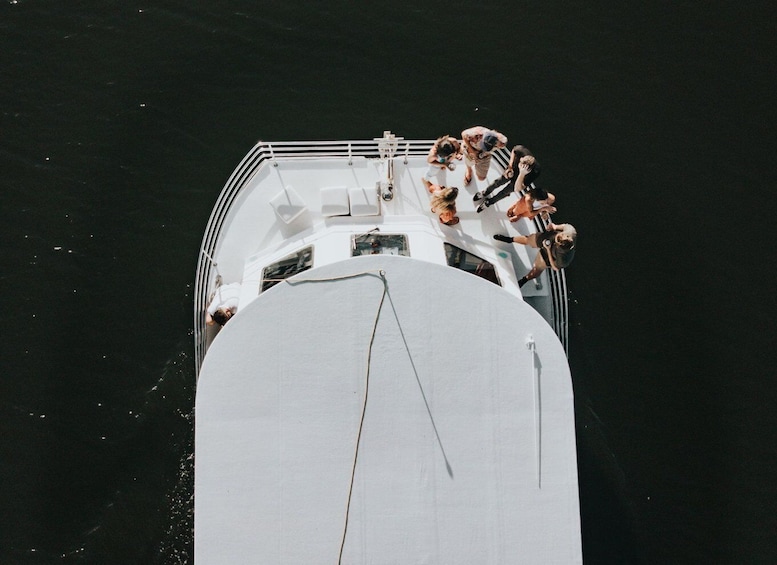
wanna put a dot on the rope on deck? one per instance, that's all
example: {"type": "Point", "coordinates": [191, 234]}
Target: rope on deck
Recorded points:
{"type": "Point", "coordinates": [382, 275]}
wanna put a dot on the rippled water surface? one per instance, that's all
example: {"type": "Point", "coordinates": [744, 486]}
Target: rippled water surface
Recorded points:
{"type": "Point", "coordinates": [655, 126]}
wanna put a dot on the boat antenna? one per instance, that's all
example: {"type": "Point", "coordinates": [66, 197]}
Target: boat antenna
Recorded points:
{"type": "Point", "coordinates": [532, 347]}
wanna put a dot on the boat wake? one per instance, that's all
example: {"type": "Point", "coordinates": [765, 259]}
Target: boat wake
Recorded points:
{"type": "Point", "coordinates": [177, 546]}
{"type": "Point", "coordinates": [149, 517]}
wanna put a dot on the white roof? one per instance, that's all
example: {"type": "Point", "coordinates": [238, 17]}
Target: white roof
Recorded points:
{"type": "Point", "coordinates": [462, 459]}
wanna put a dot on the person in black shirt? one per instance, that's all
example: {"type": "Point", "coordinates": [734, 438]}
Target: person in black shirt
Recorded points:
{"type": "Point", "coordinates": [522, 170]}
{"type": "Point", "coordinates": [557, 248]}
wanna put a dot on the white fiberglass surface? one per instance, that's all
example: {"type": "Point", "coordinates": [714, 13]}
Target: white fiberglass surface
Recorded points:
{"type": "Point", "coordinates": [253, 227]}
{"type": "Point", "coordinates": [467, 445]}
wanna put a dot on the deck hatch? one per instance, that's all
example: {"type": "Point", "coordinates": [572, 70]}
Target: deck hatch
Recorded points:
{"type": "Point", "coordinates": [289, 266]}
{"type": "Point", "coordinates": [460, 259]}
{"type": "Point", "coordinates": [379, 244]}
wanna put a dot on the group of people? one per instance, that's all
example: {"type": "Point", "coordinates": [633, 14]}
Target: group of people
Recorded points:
{"type": "Point", "coordinates": [556, 245]}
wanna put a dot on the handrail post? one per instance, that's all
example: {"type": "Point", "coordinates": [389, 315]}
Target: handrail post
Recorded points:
{"type": "Point", "coordinates": [272, 155]}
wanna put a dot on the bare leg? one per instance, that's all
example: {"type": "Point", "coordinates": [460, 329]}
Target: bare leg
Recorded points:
{"type": "Point", "coordinates": [522, 239]}
{"type": "Point", "coordinates": [536, 270]}
{"type": "Point", "coordinates": [481, 167]}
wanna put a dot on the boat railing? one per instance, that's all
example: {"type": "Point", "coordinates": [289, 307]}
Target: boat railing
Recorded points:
{"type": "Point", "coordinates": [367, 148]}
{"type": "Point", "coordinates": [271, 153]}
{"type": "Point", "coordinates": [263, 154]}
{"type": "Point", "coordinates": [558, 292]}
{"type": "Point", "coordinates": [557, 279]}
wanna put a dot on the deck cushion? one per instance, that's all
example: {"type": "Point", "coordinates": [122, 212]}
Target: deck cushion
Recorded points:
{"type": "Point", "coordinates": [364, 201]}
{"type": "Point", "coordinates": [334, 201]}
{"type": "Point", "coordinates": [288, 204]}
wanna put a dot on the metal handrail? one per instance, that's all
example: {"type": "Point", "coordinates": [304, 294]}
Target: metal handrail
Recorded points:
{"type": "Point", "coordinates": [261, 154]}
{"type": "Point", "coordinates": [558, 293]}
{"type": "Point", "coordinates": [266, 152]}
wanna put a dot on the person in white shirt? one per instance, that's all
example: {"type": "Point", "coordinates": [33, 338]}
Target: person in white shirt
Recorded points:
{"type": "Point", "coordinates": [223, 305]}
{"type": "Point", "coordinates": [479, 143]}
{"type": "Point", "coordinates": [443, 155]}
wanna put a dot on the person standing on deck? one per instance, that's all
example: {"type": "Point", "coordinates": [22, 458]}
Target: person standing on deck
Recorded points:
{"type": "Point", "coordinates": [443, 155]}
{"type": "Point", "coordinates": [443, 202]}
{"type": "Point", "coordinates": [557, 248]}
{"type": "Point", "coordinates": [535, 201]}
{"type": "Point", "coordinates": [479, 144]}
{"type": "Point", "coordinates": [528, 171]}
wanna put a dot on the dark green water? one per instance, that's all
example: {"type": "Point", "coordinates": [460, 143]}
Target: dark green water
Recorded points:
{"type": "Point", "coordinates": [655, 125]}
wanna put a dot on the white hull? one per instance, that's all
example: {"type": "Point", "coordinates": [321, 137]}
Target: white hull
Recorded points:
{"type": "Point", "coordinates": [380, 408]}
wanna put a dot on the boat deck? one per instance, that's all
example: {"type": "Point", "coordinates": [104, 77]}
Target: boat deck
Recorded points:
{"type": "Point", "coordinates": [284, 197]}
{"type": "Point", "coordinates": [462, 451]}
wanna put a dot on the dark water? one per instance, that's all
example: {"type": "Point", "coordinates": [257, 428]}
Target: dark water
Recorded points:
{"type": "Point", "coordinates": [655, 124]}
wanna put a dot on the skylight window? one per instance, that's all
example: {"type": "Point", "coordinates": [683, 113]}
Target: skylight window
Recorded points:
{"type": "Point", "coordinates": [379, 244]}
{"type": "Point", "coordinates": [460, 259]}
{"type": "Point", "coordinates": [289, 266]}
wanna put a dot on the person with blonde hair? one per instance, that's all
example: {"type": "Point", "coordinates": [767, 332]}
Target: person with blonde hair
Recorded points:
{"type": "Point", "coordinates": [443, 202]}
{"type": "Point", "coordinates": [557, 248]}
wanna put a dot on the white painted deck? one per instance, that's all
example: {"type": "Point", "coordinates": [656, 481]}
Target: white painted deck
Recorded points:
{"type": "Point", "coordinates": [279, 211]}
{"type": "Point", "coordinates": [467, 451]}
{"type": "Point", "coordinates": [255, 228]}
{"type": "Point", "coordinates": [467, 446]}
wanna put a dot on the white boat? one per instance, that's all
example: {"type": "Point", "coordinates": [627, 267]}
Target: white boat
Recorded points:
{"type": "Point", "coordinates": [385, 393]}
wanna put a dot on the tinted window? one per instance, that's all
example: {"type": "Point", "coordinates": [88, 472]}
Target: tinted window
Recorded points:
{"type": "Point", "coordinates": [379, 244]}
{"type": "Point", "coordinates": [460, 259]}
{"type": "Point", "coordinates": [289, 266]}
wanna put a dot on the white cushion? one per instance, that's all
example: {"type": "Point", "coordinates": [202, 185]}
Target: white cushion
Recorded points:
{"type": "Point", "coordinates": [364, 201]}
{"type": "Point", "coordinates": [288, 204]}
{"type": "Point", "coordinates": [334, 201]}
